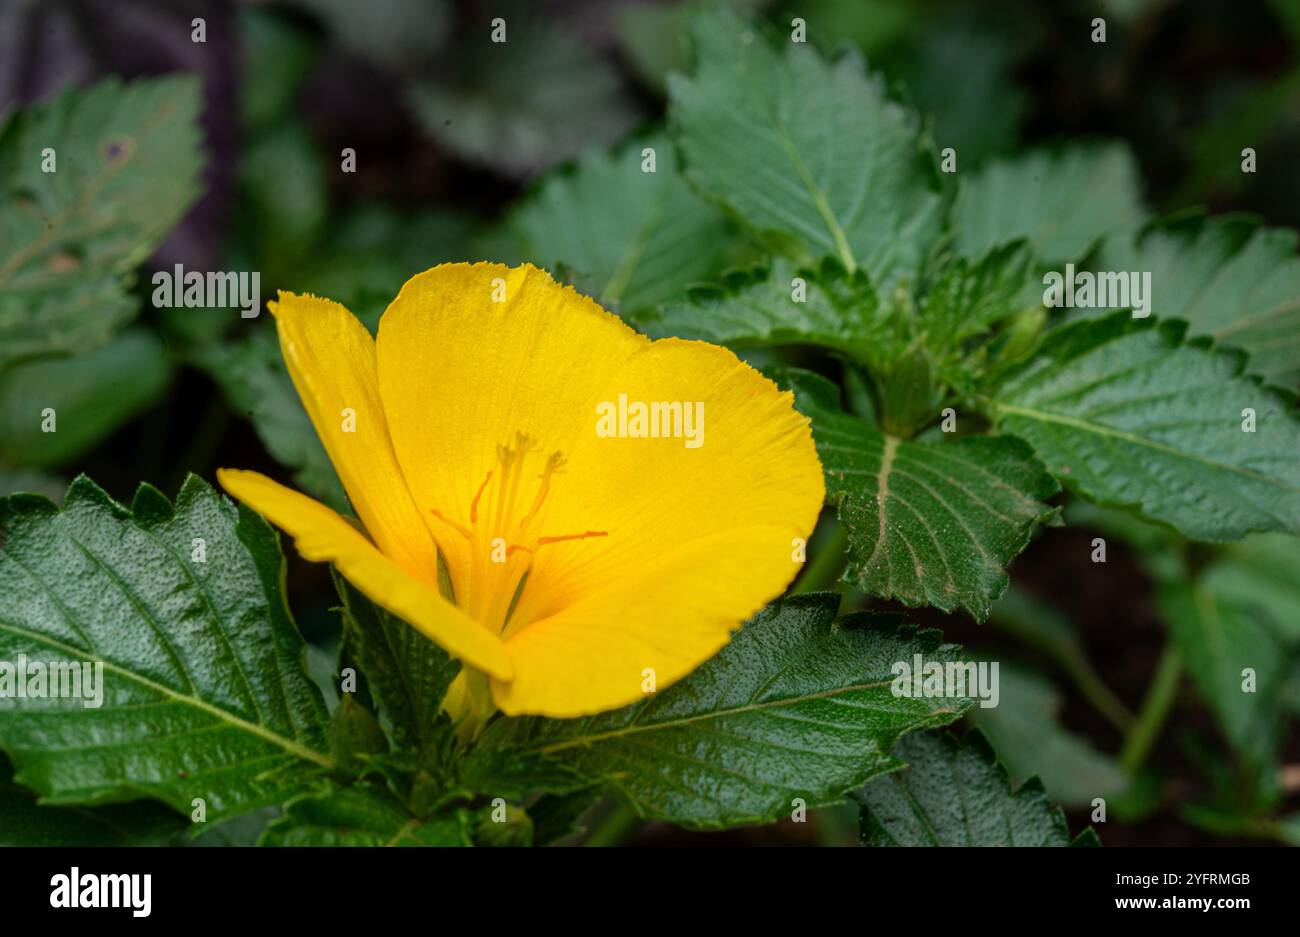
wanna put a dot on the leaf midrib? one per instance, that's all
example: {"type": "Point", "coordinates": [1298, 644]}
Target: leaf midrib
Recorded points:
{"type": "Point", "coordinates": [630, 259]}
{"type": "Point", "coordinates": [716, 714]}
{"type": "Point", "coordinates": [291, 746]}
{"type": "Point", "coordinates": [819, 198]}
{"type": "Point", "coordinates": [1101, 429]}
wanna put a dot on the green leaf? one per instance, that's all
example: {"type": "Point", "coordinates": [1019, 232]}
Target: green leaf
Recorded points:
{"type": "Point", "coordinates": [527, 103]}
{"type": "Point", "coordinates": [1229, 278]}
{"type": "Point", "coordinates": [929, 523]}
{"type": "Point", "coordinates": [514, 829]}
{"type": "Point", "coordinates": [355, 735]}
{"type": "Point", "coordinates": [652, 40]}
{"type": "Point", "coordinates": [558, 816]}
{"type": "Point", "coordinates": [1218, 641]}
{"type": "Point", "coordinates": [494, 770]}
{"type": "Point", "coordinates": [809, 153]}
{"type": "Point", "coordinates": [968, 297]}
{"type": "Point", "coordinates": [1261, 573]}
{"type": "Point", "coordinates": [24, 822]}
{"type": "Point", "coordinates": [759, 309]}
{"type": "Point", "coordinates": [277, 55]}
{"type": "Point", "coordinates": [640, 237]}
{"type": "Point", "coordinates": [1026, 730]}
{"type": "Point", "coordinates": [1062, 202]}
{"type": "Point", "coordinates": [204, 691]}
{"type": "Point", "coordinates": [795, 706]}
{"type": "Point", "coordinates": [127, 169]}
{"type": "Point", "coordinates": [283, 195]}
{"type": "Point", "coordinates": [398, 35]}
{"type": "Point", "coordinates": [959, 76]}
{"type": "Point", "coordinates": [954, 793]}
{"type": "Point", "coordinates": [908, 395]}
{"type": "Point", "coordinates": [91, 394]}
{"type": "Point", "coordinates": [1128, 414]}
{"type": "Point", "coordinates": [407, 673]}
{"type": "Point", "coordinates": [362, 815]}
{"type": "Point", "coordinates": [975, 319]}
{"type": "Point", "coordinates": [1241, 612]}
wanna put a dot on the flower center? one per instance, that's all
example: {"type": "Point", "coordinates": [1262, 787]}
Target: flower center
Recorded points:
{"type": "Point", "coordinates": [505, 529]}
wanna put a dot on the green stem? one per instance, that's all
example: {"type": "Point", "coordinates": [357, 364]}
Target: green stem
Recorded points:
{"type": "Point", "coordinates": [1155, 708]}
{"type": "Point", "coordinates": [825, 569]}
{"type": "Point", "coordinates": [1100, 696]}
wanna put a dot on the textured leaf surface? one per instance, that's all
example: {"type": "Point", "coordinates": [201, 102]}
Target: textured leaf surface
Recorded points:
{"type": "Point", "coordinates": [929, 523]}
{"type": "Point", "coordinates": [1127, 413]}
{"type": "Point", "coordinates": [204, 689]}
{"type": "Point", "coordinates": [1062, 202]}
{"type": "Point", "coordinates": [956, 794]}
{"type": "Point", "coordinates": [759, 309]}
{"type": "Point", "coordinates": [407, 673]}
{"type": "Point", "coordinates": [640, 238]}
{"type": "Point", "coordinates": [969, 296]}
{"type": "Point", "coordinates": [362, 815]}
{"type": "Point", "coordinates": [810, 153]}
{"type": "Point", "coordinates": [1229, 278]}
{"type": "Point", "coordinates": [794, 706]}
{"type": "Point", "coordinates": [127, 169]}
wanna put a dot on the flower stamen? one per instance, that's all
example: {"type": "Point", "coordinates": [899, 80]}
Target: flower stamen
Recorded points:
{"type": "Point", "coordinates": [543, 541]}
{"type": "Point", "coordinates": [473, 507]}
{"type": "Point", "coordinates": [459, 528]}
{"type": "Point", "coordinates": [503, 537]}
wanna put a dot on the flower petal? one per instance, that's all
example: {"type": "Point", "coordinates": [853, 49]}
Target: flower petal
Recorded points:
{"type": "Point", "coordinates": [321, 535]}
{"type": "Point", "coordinates": [698, 538]}
{"type": "Point", "coordinates": [755, 466]}
{"type": "Point", "coordinates": [331, 358]}
{"type": "Point", "coordinates": [461, 373]}
{"type": "Point", "coordinates": [660, 622]}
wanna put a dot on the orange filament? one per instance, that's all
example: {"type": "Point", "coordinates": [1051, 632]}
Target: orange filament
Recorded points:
{"type": "Point", "coordinates": [543, 541]}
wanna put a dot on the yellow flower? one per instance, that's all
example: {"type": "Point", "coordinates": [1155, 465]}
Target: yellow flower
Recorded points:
{"type": "Point", "coordinates": [495, 420]}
